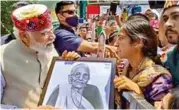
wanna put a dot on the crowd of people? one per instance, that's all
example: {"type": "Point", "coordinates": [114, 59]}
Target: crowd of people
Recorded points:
{"type": "Point", "coordinates": [145, 45]}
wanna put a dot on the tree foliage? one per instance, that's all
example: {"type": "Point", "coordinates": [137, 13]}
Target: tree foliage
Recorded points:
{"type": "Point", "coordinates": [6, 23]}
{"type": "Point", "coordinates": [6, 10]}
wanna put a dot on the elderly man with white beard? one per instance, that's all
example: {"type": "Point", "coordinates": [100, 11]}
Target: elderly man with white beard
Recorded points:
{"type": "Point", "coordinates": [26, 60]}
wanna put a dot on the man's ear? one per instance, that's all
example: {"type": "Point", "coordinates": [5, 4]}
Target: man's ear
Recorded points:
{"type": "Point", "coordinates": [24, 37]}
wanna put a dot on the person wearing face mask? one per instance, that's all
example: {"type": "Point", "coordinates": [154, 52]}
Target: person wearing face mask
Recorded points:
{"type": "Point", "coordinates": [66, 39]}
{"type": "Point", "coordinates": [26, 60]}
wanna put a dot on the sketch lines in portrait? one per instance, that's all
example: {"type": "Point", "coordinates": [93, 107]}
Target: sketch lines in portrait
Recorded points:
{"type": "Point", "coordinates": [77, 86]}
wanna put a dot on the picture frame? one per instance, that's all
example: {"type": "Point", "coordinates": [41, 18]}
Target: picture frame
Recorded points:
{"type": "Point", "coordinates": [78, 86]}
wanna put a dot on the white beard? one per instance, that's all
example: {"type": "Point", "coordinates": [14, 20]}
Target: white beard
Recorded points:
{"type": "Point", "coordinates": [44, 51]}
{"type": "Point", "coordinates": [42, 48]}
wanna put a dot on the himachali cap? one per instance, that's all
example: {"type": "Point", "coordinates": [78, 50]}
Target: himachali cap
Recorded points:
{"type": "Point", "coordinates": [170, 3]}
{"type": "Point", "coordinates": [33, 17]}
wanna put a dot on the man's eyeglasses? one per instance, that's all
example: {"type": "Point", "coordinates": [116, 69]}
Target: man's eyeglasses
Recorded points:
{"type": "Point", "coordinates": [70, 12]}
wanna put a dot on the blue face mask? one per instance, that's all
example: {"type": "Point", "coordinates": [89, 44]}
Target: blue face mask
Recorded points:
{"type": "Point", "coordinates": [72, 21]}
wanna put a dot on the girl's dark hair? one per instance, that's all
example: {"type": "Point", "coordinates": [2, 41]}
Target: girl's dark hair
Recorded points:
{"type": "Point", "coordinates": [138, 15]}
{"type": "Point", "coordinates": [140, 29]}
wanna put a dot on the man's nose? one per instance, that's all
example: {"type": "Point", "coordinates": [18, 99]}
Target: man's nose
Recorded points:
{"type": "Point", "coordinates": [169, 24]}
{"type": "Point", "coordinates": [51, 34]}
{"type": "Point", "coordinates": [52, 37]}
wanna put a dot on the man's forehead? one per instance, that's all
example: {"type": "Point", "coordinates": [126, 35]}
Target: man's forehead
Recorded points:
{"type": "Point", "coordinates": [171, 10]}
{"type": "Point", "coordinates": [69, 7]}
{"type": "Point", "coordinates": [80, 69]}
{"type": "Point", "coordinates": [47, 29]}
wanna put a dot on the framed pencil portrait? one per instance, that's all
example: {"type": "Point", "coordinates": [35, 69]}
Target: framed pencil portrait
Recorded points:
{"type": "Point", "coordinates": [80, 84]}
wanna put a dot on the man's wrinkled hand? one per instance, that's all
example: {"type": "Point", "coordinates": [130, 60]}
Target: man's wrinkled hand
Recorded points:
{"type": "Point", "coordinates": [70, 55]}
